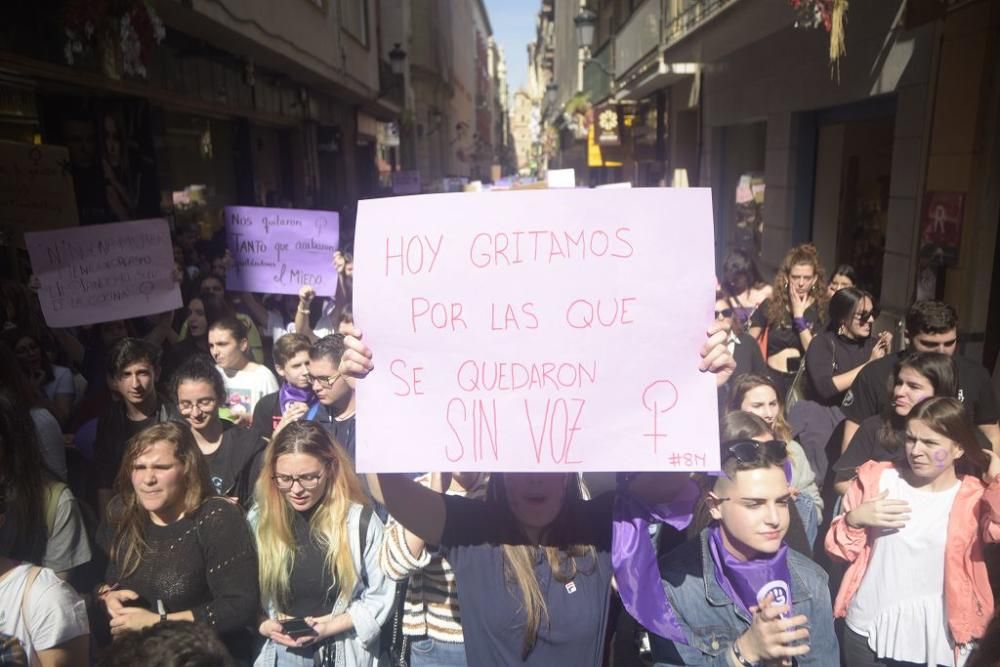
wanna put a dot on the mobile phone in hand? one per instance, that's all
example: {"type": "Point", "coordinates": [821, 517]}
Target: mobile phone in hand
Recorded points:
{"type": "Point", "coordinates": [296, 627]}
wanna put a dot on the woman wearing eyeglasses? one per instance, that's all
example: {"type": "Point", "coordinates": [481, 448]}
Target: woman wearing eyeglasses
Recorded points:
{"type": "Point", "coordinates": [742, 346]}
{"type": "Point", "coordinates": [742, 595]}
{"type": "Point", "coordinates": [916, 590]}
{"type": "Point", "coordinates": [177, 552]}
{"type": "Point", "coordinates": [233, 454]}
{"type": "Point", "coordinates": [833, 360]}
{"type": "Point", "coordinates": [318, 544]}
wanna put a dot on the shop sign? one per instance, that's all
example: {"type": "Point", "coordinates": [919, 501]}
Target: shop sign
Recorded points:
{"type": "Point", "coordinates": [941, 228]}
{"type": "Point", "coordinates": [608, 122]}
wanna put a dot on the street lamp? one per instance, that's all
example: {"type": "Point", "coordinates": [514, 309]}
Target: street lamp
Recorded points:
{"type": "Point", "coordinates": [586, 24]}
{"type": "Point", "coordinates": [549, 100]}
{"type": "Point", "coordinates": [396, 59]}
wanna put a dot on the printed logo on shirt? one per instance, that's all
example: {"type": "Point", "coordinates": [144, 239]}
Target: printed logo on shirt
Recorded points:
{"type": "Point", "coordinates": [961, 396]}
{"type": "Point", "coordinates": [778, 594]}
{"type": "Point", "coordinates": [848, 399]}
{"type": "Point", "coordinates": [570, 587]}
{"type": "Point", "coordinates": [217, 483]}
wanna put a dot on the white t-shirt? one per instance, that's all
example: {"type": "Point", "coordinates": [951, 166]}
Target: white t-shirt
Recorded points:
{"type": "Point", "coordinates": [900, 603]}
{"type": "Point", "coordinates": [245, 387]}
{"type": "Point", "coordinates": [54, 613]}
{"type": "Point", "coordinates": [62, 383]}
{"type": "Point", "coordinates": [50, 441]}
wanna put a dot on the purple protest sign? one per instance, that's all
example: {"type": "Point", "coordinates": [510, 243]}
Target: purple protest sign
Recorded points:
{"type": "Point", "coordinates": [278, 250]}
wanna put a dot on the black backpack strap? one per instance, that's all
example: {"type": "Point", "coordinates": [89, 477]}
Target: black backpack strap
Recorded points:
{"type": "Point", "coordinates": [366, 517]}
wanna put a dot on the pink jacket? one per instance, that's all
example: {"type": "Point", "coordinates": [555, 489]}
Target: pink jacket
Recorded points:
{"type": "Point", "coordinates": [974, 519]}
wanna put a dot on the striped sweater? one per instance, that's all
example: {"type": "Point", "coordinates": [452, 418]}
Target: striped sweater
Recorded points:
{"type": "Point", "coordinates": [431, 606]}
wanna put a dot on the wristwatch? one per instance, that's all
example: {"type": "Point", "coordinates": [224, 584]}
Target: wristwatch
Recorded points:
{"type": "Point", "coordinates": [162, 610]}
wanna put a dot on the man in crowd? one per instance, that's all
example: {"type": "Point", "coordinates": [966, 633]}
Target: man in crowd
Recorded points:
{"type": "Point", "coordinates": [133, 370]}
{"type": "Point", "coordinates": [931, 326]}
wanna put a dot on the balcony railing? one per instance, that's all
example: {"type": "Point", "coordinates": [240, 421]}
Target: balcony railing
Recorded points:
{"type": "Point", "coordinates": [639, 36]}
{"type": "Point", "coordinates": [597, 73]}
{"type": "Point", "coordinates": [686, 15]}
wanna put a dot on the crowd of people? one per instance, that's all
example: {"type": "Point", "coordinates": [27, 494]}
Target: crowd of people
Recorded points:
{"type": "Point", "coordinates": [184, 485]}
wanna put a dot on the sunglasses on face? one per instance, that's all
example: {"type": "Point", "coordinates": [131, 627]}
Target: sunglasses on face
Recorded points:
{"type": "Point", "coordinates": [724, 313]}
{"type": "Point", "coordinates": [865, 315]}
{"type": "Point", "coordinates": [747, 451]}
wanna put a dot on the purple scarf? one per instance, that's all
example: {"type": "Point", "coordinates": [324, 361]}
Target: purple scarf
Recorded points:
{"type": "Point", "coordinates": [634, 558]}
{"type": "Point", "coordinates": [747, 583]}
{"type": "Point", "coordinates": [289, 393]}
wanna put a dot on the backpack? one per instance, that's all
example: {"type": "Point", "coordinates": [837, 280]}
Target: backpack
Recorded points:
{"type": "Point", "coordinates": [392, 643]}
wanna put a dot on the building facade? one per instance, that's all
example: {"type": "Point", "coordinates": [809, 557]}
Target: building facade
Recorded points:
{"type": "Point", "coordinates": [887, 159]}
{"type": "Point", "coordinates": [192, 106]}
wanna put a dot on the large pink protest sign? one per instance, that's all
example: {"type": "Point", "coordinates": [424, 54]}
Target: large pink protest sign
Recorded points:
{"type": "Point", "coordinates": [101, 273]}
{"type": "Point", "coordinates": [536, 331]}
{"type": "Point", "coordinates": [278, 250]}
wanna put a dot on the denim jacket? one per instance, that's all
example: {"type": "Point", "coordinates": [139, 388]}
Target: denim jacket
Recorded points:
{"type": "Point", "coordinates": [712, 622]}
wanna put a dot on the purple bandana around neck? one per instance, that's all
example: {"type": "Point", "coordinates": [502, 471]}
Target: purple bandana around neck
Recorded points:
{"type": "Point", "coordinates": [747, 581]}
{"type": "Point", "coordinates": [290, 393]}
{"type": "Point", "coordinates": [634, 558]}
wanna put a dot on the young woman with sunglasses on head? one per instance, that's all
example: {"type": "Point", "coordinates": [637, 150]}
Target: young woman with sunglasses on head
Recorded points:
{"type": "Point", "coordinates": [741, 345]}
{"type": "Point", "coordinates": [916, 590]}
{"type": "Point", "coordinates": [533, 563]}
{"type": "Point", "coordinates": [880, 437]}
{"type": "Point", "coordinates": [233, 454]}
{"type": "Point", "coordinates": [758, 396]}
{"type": "Point", "coordinates": [318, 543]}
{"type": "Point", "coordinates": [176, 551]}
{"type": "Point", "coordinates": [742, 595]}
{"type": "Point", "coordinates": [790, 318]}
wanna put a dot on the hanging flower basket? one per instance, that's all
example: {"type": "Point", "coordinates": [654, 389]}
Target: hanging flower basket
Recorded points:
{"type": "Point", "coordinates": [122, 34]}
{"type": "Point", "coordinates": [831, 15]}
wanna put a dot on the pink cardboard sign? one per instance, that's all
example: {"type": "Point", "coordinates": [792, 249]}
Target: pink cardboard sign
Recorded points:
{"type": "Point", "coordinates": [107, 272]}
{"type": "Point", "coordinates": [545, 330]}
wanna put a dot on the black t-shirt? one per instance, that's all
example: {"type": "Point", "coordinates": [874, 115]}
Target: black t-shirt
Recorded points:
{"type": "Point", "coordinates": [492, 611]}
{"type": "Point", "coordinates": [114, 430]}
{"type": "Point", "coordinates": [782, 337]}
{"type": "Point", "coordinates": [267, 414]}
{"type": "Point", "coordinates": [746, 354]}
{"type": "Point", "coordinates": [831, 354]}
{"type": "Point", "coordinates": [871, 392]}
{"type": "Point", "coordinates": [235, 465]}
{"type": "Point", "coordinates": [869, 444]}
{"type": "Point", "coordinates": [312, 591]}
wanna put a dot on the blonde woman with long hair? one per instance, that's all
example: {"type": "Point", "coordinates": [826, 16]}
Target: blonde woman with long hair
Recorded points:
{"type": "Point", "coordinates": [177, 552]}
{"type": "Point", "coordinates": [318, 543]}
